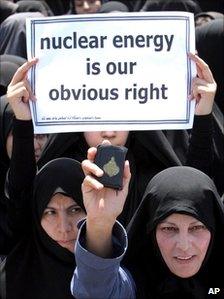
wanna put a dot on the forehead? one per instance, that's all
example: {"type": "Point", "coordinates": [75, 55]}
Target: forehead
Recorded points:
{"type": "Point", "coordinates": [59, 200]}
{"type": "Point", "coordinates": [79, 2]}
{"type": "Point", "coordinates": [178, 218]}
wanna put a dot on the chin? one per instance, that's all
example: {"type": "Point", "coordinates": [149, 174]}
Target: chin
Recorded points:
{"type": "Point", "coordinates": [70, 248]}
{"type": "Point", "coordinates": [185, 274]}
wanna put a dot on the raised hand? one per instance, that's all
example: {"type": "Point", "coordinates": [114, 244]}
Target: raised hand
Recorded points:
{"type": "Point", "coordinates": [203, 87]}
{"type": "Point", "coordinates": [103, 205]}
{"type": "Point", "coordinates": [19, 92]}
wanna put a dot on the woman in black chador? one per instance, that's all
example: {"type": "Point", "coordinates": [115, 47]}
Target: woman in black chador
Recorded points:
{"type": "Point", "coordinates": [176, 237]}
{"type": "Point", "coordinates": [43, 220]}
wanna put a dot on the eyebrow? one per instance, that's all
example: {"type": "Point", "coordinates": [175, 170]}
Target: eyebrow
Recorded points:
{"type": "Point", "coordinates": [171, 223]}
{"type": "Point", "coordinates": [71, 206]}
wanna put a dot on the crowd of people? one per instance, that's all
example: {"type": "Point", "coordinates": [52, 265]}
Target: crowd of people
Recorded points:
{"type": "Point", "coordinates": [63, 234]}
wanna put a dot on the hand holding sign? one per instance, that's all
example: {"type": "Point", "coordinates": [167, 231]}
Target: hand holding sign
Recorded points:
{"type": "Point", "coordinates": [203, 87]}
{"type": "Point", "coordinates": [19, 92]}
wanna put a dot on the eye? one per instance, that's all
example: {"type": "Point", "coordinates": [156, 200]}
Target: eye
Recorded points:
{"type": "Point", "coordinates": [197, 228]}
{"type": "Point", "coordinates": [75, 210]}
{"type": "Point", "coordinates": [49, 213]}
{"type": "Point", "coordinates": [169, 229]}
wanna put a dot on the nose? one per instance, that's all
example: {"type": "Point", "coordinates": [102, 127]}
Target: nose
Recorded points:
{"type": "Point", "coordinates": [108, 134]}
{"type": "Point", "coordinates": [183, 241]}
{"type": "Point", "coordinates": [64, 224]}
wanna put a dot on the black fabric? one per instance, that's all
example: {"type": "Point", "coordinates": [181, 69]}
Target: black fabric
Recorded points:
{"type": "Point", "coordinates": [34, 6]}
{"type": "Point", "coordinates": [61, 7]}
{"type": "Point", "coordinates": [210, 15]}
{"type": "Point", "coordinates": [6, 118]}
{"type": "Point", "coordinates": [218, 145]}
{"type": "Point", "coordinates": [7, 8]}
{"type": "Point", "coordinates": [113, 6]}
{"type": "Point", "coordinates": [20, 177]}
{"type": "Point", "coordinates": [13, 34]}
{"type": "Point", "coordinates": [172, 5]}
{"type": "Point", "coordinates": [214, 5]}
{"type": "Point", "coordinates": [38, 267]}
{"type": "Point", "coordinates": [182, 190]}
{"type": "Point", "coordinates": [201, 150]}
{"type": "Point", "coordinates": [210, 47]}
{"type": "Point", "coordinates": [8, 66]}
{"type": "Point", "coordinates": [138, 4]}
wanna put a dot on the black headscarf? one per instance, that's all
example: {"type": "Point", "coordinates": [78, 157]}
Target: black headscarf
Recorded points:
{"type": "Point", "coordinates": [113, 6]}
{"type": "Point", "coordinates": [210, 47]}
{"type": "Point", "coordinates": [214, 5]}
{"type": "Point", "coordinates": [8, 66]}
{"type": "Point", "coordinates": [6, 127]}
{"type": "Point", "coordinates": [7, 8]}
{"type": "Point", "coordinates": [61, 7]}
{"type": "Point", "coordinates": [6, 120]}
{"type": "Point", "coordinates": [39, 267]}
{"type": "Point", "coordinates": [13, 34]}
{"type": "Point", "coordinates": [218, 141]}
{"type": "Point", "coordinates": [148, 153]}
{"type": "Point", "coordinates": [34, 6]}
{"type": "Point", "coordinates": [172, 5]}
{"type": "Point", "coordinates": [182, 190]}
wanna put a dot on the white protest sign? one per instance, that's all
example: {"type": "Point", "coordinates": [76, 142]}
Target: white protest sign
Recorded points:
{"type": "Point", "coordinates": [123, 71]}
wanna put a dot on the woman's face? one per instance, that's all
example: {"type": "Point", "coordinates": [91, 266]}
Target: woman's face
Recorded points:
{"type": "Point", "coordinates": [183, 242]}
{"type": "Point", "coordinates": [39, 143]}
{"type": "Point", "coordinates": [115, 137]}
{"type": "Point", "coordinates": [59, 220]}
{"type": "Point", "coordinates": [89, 6]}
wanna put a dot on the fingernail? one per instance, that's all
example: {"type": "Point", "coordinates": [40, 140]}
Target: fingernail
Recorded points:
{"type": "Point", "coordinates": [99, 172]}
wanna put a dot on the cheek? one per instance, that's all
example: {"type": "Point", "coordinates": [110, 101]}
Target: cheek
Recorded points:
{"type": "Point", "coordinates": [202, 242]}
{"type": "Point", "coordinates": [79, 10]}
{"type": "Point", "coordinates": [92, 138]}
{"type": "Point", "coordinates": [123, 136]}
{"type": "Point", "coordinates": [48, 227]}
{"type": "Point", "coordinates": [166, 246]}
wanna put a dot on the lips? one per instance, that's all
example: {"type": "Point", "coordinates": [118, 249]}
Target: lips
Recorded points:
{"type": "Point", "coordinates": [184, 259]}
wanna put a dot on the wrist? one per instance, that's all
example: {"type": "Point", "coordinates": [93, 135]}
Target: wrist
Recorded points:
{"type": "Point", "coordinates": [99, 226]}
{"type": "Point", "coordinates": [99, 239]}
{"type": "Point", "coordinates": [22, 117]}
